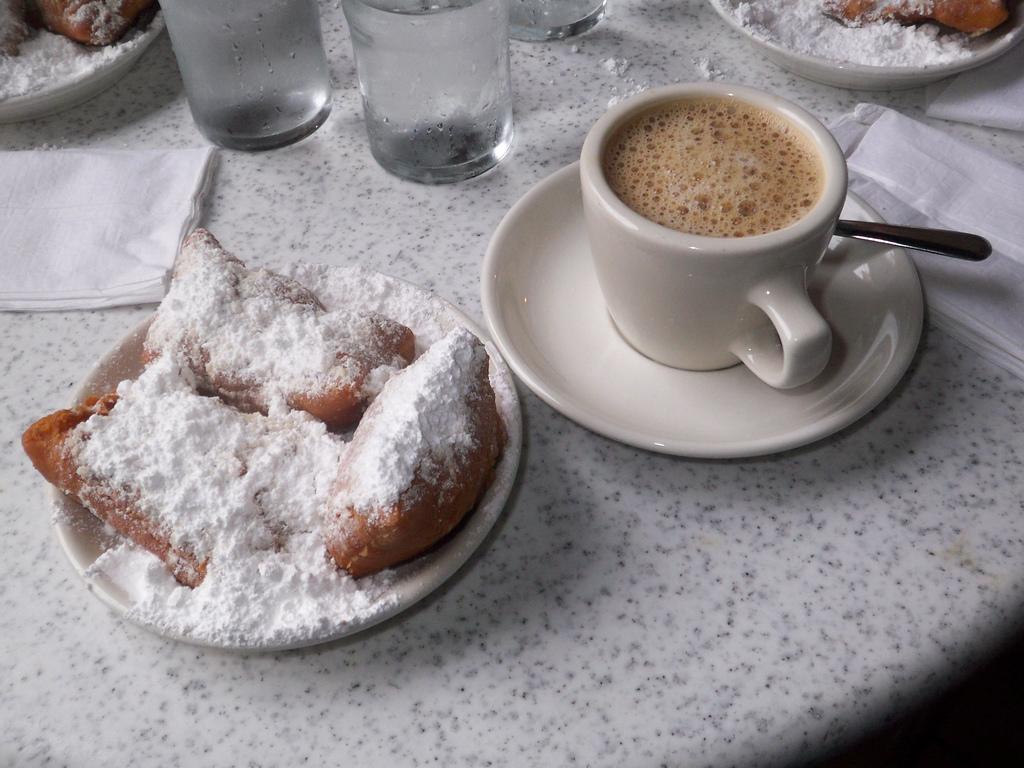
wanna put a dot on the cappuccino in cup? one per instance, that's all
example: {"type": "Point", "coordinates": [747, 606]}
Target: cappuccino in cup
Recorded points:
{"type": "Point", "coordinates": [707, 207]}
{"type": "Point", "coordinates": [716, 167]}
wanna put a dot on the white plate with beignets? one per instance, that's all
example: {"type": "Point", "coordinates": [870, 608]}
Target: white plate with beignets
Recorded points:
{"type": "Point", "coordinates": [50, 73]}
{"type": "Point", "coordinates": [811, 39]}
{"type": "Point", "coordinates": [287, 591]}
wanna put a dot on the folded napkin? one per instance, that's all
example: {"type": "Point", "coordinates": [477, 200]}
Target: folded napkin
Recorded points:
{"type": "Point", "coordinates": [991, 95]}
{"type": "Point", "coordinates": [914, 174]}
{"type": "Point", "coordinates": [84, 229]}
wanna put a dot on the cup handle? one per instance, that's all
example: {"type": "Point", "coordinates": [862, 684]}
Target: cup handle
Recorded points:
{"type": "Point", "coordinates": [796, 346]}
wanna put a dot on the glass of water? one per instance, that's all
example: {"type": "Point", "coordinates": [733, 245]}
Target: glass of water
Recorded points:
{"type": "Point", "coordinates": [435, 82]}
{"type": "Point", "coordinates": [255, 72]}
{"type": "Point", "coordinates": [535, 20]}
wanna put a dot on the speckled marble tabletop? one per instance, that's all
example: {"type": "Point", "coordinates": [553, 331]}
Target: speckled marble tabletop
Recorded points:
{"type": "Point", "coordinates": [630, 609]}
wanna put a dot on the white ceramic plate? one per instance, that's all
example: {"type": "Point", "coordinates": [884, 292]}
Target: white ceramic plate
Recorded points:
{"type": "Point", "coordinates": [545, 313]}
{"type": "Point", "coordinates": [63, 93]}
{"type": "Point", "coordinates": [842, 74]}
{"type": "Point", "coordinates": [83, 537]}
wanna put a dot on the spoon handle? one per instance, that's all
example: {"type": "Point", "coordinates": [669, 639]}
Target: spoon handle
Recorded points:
{"type": "Point", "coordinates": [959, 245]}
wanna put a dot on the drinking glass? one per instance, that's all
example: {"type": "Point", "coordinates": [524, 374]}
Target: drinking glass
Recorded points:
{"type": "Point", "coordinates": [534, 20]}
{"type": "Point", "coordinates": [435, 83]}
{"type": "Point", "coordinates": [255, 72]}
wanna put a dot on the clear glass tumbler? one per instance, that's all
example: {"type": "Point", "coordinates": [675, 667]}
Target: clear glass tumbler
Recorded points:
{"type": "Point", "coordinates": [534, 20]}
{"type": "Point", "coordinates": [435, 82]}
{"type": "Point", "coordinates": [255, 72]}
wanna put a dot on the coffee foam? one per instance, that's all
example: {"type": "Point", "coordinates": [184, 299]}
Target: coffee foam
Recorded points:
{"type": "Point", "coordinates": [715, 167]}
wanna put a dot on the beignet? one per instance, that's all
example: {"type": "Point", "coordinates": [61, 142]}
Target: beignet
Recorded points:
{"type": "Point", "coordinates": [973, 17]}
{"type": "Point", "coordinates": [256, 338]}
{"type": "Point", "coordinates": [419, 460]}
{"type": "Point", "coordinates": [52, 444]}
{"type": "Point", "coordinates": [188, 477]}
{"type": "Point", "coordinates": [92, 22]}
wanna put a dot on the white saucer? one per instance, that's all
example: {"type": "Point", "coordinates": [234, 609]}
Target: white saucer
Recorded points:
{"type": "Point", "coordinates": [60, 93]}
{"type": "Point", "coordinates": [844, 74]}
{"type": "Point", "coordinates": [84, 538]}
{"type": "Point", "coordinates": [545, 313]}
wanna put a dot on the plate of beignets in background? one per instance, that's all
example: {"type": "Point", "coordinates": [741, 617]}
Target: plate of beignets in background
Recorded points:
{"type": "Point", "coordinates": [56, 54]}
{"type": "Point", "coordinates": [877, 44]}
{"type": "Point", "coordinates": [200, 498]}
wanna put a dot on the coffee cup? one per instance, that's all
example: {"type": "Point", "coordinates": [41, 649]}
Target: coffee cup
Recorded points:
{"type": "Point", "coordinates": [733, 195]}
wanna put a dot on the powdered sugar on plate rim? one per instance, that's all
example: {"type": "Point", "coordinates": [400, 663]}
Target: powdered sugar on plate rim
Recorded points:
{"type": "Point", "coordinates": [131, 581]}
{"type": "Point", "coordinates": [796, 35]}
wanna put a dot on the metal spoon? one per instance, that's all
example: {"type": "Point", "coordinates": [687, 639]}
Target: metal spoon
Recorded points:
{"type": "Point", "coordinates": [959, 245]}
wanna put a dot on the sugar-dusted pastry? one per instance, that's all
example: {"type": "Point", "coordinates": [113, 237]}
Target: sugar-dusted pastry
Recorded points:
{"type": "Point", "coordinates": [419, 460]}
{"type": "Point", "coordinates": [196, 482]}
{"type": "Point", "coordinates": [93, 22]}
{"type": "Point", "coordinates": [971, 16]}
{"type": "Point", "coordinates": [13, 28]}
{"type": "Point", "coordinates": [258, 339]}
{"type": "Point", "coordinates": [53, 444]}
{"type": "Point", "coordinates": [188, 477]}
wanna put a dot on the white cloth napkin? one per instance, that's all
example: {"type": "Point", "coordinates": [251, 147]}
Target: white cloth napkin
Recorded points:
{"type": "Point", "coordinates": [917, 175]}
{"type": "Point", "coordinates": [85, 229]}
{"type": "Point", "coordinates": [990, 95]}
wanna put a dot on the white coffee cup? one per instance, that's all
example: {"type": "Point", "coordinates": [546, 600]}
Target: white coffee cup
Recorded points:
{"type": "Point", "coordinates": [702, 302]}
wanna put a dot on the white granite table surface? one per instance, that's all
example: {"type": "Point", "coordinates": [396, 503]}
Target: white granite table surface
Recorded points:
{"type": "Point", "coordinates": [630, 609]}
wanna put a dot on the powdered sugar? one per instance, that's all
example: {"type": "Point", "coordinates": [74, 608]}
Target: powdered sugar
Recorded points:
{"type": "Point", "coordinates": [707, 70]}
{"type": "Point", "coordinates": [220, 481]}
{"type": "Point", "coordinates": [46, 60]}
{"type": "Point", "coordinates": [424, 413]}
{"type": "Point", "coordinates": [353, 287]}
{"type": "Point", "coordinates": [265, 337]}
{"type": "Point", "coordinates": [239, 490]}
{"type": "Point", "coordinates": [615, 66]}
{"type": "Point", "coordinates": [802, 26]}
{"type": "Point", "coordinates": [269, 582]}
{"type": "Point", "coordinates": [103, 18]}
